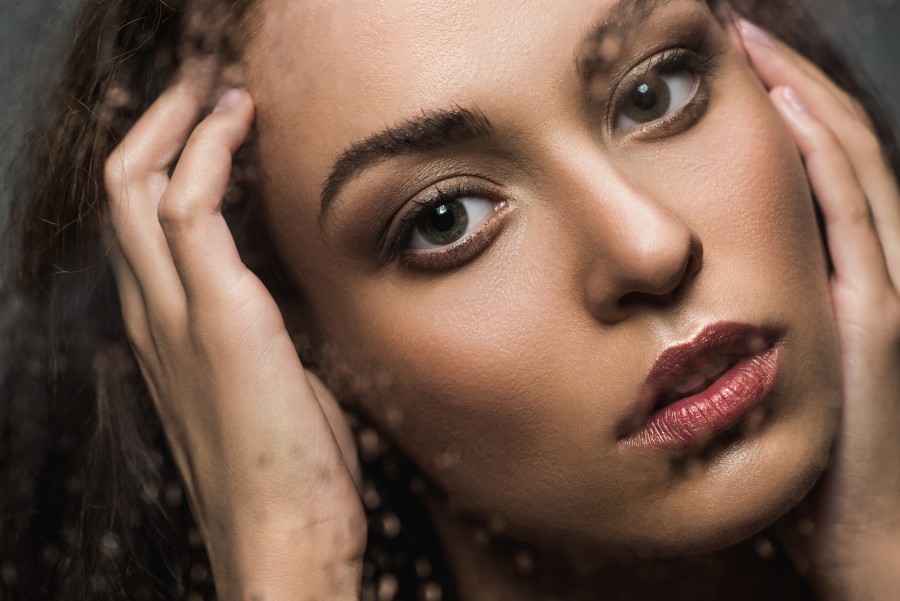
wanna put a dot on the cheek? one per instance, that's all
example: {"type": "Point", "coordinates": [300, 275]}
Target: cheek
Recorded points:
{"type": "Point", "coordinates": [485, 378]}
{"type": "Point", "coordinates": [495, 381]}
{"type": "Point", "coordinates": [748, 198]}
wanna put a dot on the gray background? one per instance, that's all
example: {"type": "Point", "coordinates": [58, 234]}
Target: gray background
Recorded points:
{"type": "Point", "coordinates": [34, 35]}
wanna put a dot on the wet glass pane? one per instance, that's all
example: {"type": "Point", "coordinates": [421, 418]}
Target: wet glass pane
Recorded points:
{"type": "Point", "coordinates": [463, 300]}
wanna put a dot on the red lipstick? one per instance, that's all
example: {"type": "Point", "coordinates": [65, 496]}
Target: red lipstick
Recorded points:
{"type": "Point", "coordinates": [703, 387]}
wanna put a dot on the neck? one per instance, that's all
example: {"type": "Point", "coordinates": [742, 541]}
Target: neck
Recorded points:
{"type": "Point", "coordinates": [491, 567]}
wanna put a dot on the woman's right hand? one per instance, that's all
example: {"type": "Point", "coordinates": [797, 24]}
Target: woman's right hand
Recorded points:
{"type": "Point", "coordinates": [266, 458]}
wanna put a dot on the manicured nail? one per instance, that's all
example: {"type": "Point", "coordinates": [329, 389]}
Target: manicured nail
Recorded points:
{"type": "Point", "coordinates": [794, 100]}
{"type": "Point", "coordinates": [751, 32]}
{"type": "Point", "coordinates": [228, 100]}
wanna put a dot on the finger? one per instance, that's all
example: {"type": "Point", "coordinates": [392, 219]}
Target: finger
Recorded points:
{"type": "Point", "coordinates": [779, 65]}
{"type": "Point", "coordinates": [775, 60]}
{"type": "Point", "coordinates": [200, 242]}
{"type": "Point", "coordinates": [343, 435]}
{"type": "Point", "coordinates": [855, 250]}
{"type": "Point", "coordinates": [131, 299]}
{"type": "Point", "coordinates": [136, 176]}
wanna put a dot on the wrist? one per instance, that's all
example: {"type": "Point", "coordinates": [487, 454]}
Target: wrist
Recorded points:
{"type": "Point", "coordinates": [290, 563]}
{"type": "Point", "coordinates": [867, 567]}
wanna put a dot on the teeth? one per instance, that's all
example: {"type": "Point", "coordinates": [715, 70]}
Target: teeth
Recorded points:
{"type": "Point", "coordinates": [704, 376]}
{"type": "Point", "coordinates": [690, 383]}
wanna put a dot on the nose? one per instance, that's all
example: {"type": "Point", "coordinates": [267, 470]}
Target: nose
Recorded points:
{"type": "Point", "coordinates": [647, 256]}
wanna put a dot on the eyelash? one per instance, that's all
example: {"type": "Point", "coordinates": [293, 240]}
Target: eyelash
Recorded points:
{"type": "Point", "coordinates": [457, 253]}
{"type": "Point", "coordinates": [699, 62]}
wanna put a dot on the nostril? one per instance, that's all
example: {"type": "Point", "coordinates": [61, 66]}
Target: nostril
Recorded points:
{"type": "Point", "coordinates": [665, 287]}
{"type": "Point", "coordinates": [694, 260]}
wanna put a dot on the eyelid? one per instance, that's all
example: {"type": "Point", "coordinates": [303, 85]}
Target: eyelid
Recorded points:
{"type": "Point", "coordinates": [691, 37]}
{"type": "Point", "coordinates": [670, 60]}
{"type": "Point", "coordinates": [400, 230]}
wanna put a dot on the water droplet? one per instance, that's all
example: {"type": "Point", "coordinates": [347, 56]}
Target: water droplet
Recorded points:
{"type": "Point", "coordinates": [390, 525]}
{"type": "Point", "coordinates": [368, 441]}
{"type": "Point", "coordinates": [370, 496]}
{"type": "Point", "coordinates": [417, 485]}
{"type": "Point", "coordinates": [447, 458]}
{"type": "Point", "coordinates": [423, 568]}
{"type": "Point", "coordinates": [173, 494]}
{"type": "Point", "coordinates": [497, 524]}
{"type": "Point", "coordinates": [394, 415]}
{"type": "Point", "coordinates": [764, 548]}
{"type": "Point", "coordinates": [199, 573]}
{"type": "Point", "coordinates": [387, 587]}
{"type": "Point", "coordinates": [431, 591]}
{"type": "Point", "coordinates": [194, 538]}
{"type": "Point", "coordinates": [9, 574]}
{"type": "Point", "coordinates": [50, 555]}
{"type": "Point", "coordinates": [482, 537]}
{"type": "Point", "coordinates": [524, 562]}
{"type": "Point", "coordinates": [150, 492]}
{"type": "Point", "coordinates": [110, 545]}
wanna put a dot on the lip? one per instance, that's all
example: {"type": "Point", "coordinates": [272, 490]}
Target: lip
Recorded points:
{"type": "Point", "coordinates": [660, 422]}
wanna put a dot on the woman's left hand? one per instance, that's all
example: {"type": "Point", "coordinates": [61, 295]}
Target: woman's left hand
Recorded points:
{"type": "Point", "coordinates": [851, 536]}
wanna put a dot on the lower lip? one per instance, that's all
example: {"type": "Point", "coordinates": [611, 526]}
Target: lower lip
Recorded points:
{"type": "Point", "coordinates": [695, 419]}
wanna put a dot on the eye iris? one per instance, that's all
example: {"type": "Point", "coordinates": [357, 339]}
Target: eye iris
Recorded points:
{"type": "Point", "coordinates": [649, 100]}
{"type": "Point", "coordinates": [445, 223]}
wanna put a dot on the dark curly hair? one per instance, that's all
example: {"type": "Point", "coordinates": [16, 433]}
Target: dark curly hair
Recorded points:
{"type": "Point", "coordinates": [90, 503]}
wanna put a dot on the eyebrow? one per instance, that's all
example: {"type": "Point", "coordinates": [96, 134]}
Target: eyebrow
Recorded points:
{"type": "Point", "coordinates": [602, 44]}
{"type": "Point", "coordinates": [440, 129]}
{"type": "Point", "coordinates": [432, 130]}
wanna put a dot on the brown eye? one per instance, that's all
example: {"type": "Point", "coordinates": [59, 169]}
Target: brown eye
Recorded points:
{"type": "Point", "coordinates": [449, 222]}
{"type": "Point", "coordinates": [654, 96]}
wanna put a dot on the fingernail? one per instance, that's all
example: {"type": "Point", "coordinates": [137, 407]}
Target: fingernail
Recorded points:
{"type": "Point", "coordinates": [751, 32]}
{"type": "Point", "coordinates": [228, 100]}
{"type": "Point", "coordinates": [794, 100]}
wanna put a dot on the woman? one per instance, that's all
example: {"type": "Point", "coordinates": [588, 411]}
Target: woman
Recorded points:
{"type": "Point", "coordinates": [567, 261]}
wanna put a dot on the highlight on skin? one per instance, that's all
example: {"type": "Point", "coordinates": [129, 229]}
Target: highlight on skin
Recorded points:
{"type": "Point", "coordinates": [548, 262]}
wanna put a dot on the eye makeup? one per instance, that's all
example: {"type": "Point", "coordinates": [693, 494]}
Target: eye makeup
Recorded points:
{"type": "Point", "coordinates": [440, 209]}
{"type": "Point", "coordinates": [665, 45]}
{"type": "Point", "coordinates": [671, 58]}
{"type": "Point", "coordinates": [675, 62]}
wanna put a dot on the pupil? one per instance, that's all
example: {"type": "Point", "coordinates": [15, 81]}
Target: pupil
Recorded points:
{"type": "Point", "coordinates": [644, 98]}
{"type": "Point", "coordinates": [442, 220]}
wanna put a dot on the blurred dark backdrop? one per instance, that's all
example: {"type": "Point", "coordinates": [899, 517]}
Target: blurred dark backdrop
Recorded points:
{"type": "Point", "coordinates": [34, 34]}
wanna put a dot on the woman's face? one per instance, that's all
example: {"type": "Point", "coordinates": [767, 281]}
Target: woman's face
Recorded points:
{"type": "Point", "coordinates": [500, 214]}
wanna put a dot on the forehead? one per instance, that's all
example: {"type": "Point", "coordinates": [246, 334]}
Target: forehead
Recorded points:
{"type": "Point", "coordinates": [384, 54]}
{"type": "Point", "coordinates": [334, 72]}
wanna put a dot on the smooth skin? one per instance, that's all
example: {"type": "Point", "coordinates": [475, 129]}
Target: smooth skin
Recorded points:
{"type": "Point", "coordinates": [854, 548]}
{"type": "Point", "coordinates": [267, 461]}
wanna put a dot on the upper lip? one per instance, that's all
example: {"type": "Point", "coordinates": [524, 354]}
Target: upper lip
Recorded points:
{"type": "Point", "coordinates": [674, 364]}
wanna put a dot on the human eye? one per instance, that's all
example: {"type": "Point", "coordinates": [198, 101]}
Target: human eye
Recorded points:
{"type": "Point", "coordinates": [664, 95]}
{"type": "Point", "coordinates": [448, 227]}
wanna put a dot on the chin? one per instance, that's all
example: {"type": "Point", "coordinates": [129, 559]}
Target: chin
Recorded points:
{"type": "Point", "coordinates": [744, 490]}
{"type": "Point", "coordinates": [722, 496]}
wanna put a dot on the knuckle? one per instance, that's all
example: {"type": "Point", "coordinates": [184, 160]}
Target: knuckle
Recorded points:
{"type": "Point", "coordinates": [140, 340]}
{"type": "Point", "coordinates": [824, 139]}
{"type": "Point", "coordinates": [207, 130]}
{"type": "Point", "coordinates": [175, 213]}
{"type": "Point", "coordinates": [858, 213]}
{"type": "Point", "coordinates": [860, 110]}
{"type": "Point", "coordinates": [869, 146]}
{"type": "Point", "coordinates": [166, 325]}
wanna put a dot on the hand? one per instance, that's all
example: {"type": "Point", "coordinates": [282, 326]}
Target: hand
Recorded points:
{"type": "Point", "coordinates": [265, 455]}
{"type": "Point", "coordinates": [852, 536]}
